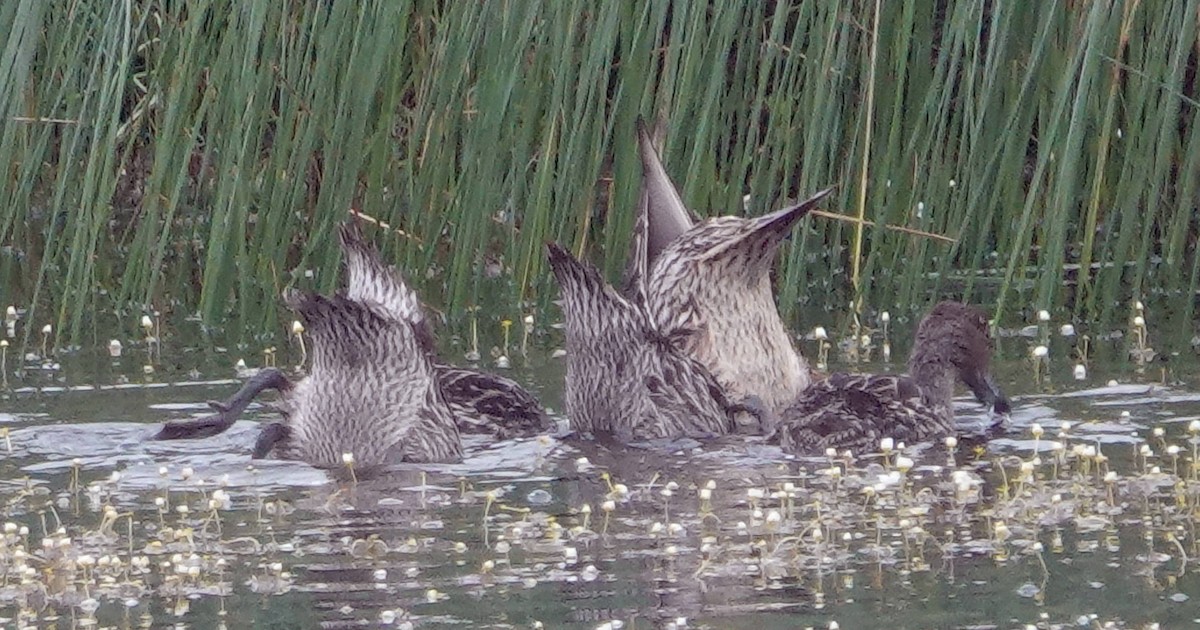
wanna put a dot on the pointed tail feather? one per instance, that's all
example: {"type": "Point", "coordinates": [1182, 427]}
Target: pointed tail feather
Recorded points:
{"type": "Point", "coordinates": [369, 279]}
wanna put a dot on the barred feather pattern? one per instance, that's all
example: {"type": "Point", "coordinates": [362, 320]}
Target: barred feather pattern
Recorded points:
{"type": "Point", "coordinates": [490, 404]}
{"type": "Point", "coordinates": [369, 279]}
{"type": "Point", "coordinates": [482, 402]}
{"type": "Point", "coordinates": [376, 389]}
{"type": "Point", "coordinates": [624, 376]}
{"type": "Point", "coordinates": [739, 336]}
{"type": "Point", "coordinates": [856, 411]}
{"type": "Point", "coordinates": [720, 271]}
{"type": "Point", "coordinates": [371, 390]}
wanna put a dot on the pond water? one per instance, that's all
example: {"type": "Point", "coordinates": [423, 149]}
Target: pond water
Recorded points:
{"type": "Point", "coordinates": [1084, 529]}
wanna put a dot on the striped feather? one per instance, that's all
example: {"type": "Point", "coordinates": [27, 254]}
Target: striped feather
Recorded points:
{"type": "Point", "coordinates": [717, 275]}
{"type": "Point", "coordinates": [623, 376]}
{"type": "Point", "coordinates": [375, 388]}
{"type": "Point", "coordinates": [371, 390]}
{"type": "Point", "coordinates": [369, 279]}
{"type": "Point", "coordinates": [491, 404]}
{"type": "Point", "coordinates": [855, 412]}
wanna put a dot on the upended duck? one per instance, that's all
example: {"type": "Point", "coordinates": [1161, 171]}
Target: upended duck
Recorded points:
{"type": "Point", "coordinates": [625, 377]}
{"type": "Point", "coordinates": [856, 411]}
{"type": "Point", "coordinates": [716, 272]}
{"type": "Point", "coordinates": [375, 389]}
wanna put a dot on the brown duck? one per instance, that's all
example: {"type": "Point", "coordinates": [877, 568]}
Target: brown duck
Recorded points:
{"type": "Point", "coordinates": [375, 389]}
{"type": "Point", "coordinates": [856, 411]}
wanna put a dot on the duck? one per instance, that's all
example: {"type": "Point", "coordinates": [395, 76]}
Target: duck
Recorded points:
{"type": "Point", "coordinates": [856, 412]}
{"type": "Point", "coordinates": [483, 402]}
{"type": "Point", "coordinates": [716, 273]}
{"type": "Point", "coordinates": [376, 388]}
{"type": "Point", "coordinates": [625, 377]}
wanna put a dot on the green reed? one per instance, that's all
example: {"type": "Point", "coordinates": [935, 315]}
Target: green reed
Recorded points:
{"type": "Point", "coordinates": [196, 156]}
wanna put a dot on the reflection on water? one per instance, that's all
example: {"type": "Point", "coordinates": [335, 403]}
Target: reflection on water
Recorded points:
{"type": "Point", "coordinates": [1047, 525]}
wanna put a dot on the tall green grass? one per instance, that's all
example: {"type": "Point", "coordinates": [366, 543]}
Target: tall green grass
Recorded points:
{"type": "Point", "coordinates": [196, 156]}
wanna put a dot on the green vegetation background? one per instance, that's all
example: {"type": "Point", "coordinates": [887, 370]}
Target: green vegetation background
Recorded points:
{"type": "Point", "coordinates": [195, 156]}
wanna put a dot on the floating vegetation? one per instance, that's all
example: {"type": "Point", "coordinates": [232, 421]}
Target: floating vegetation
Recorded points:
{"type": "Point", "coordinates": [1086, 492]}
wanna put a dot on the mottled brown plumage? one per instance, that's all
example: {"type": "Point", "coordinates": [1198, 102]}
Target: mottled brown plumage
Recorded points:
{"type": "Point", "coordinates": [375, 388]}
{"type": "Point", "coordinates": [856, 411]}
{"type": "Point", "coordinates": [625, 376]}
{"type": "Point", "coordinates": [483, 403]}
{"type": "Point", "coordinates": [371, 390]}
{"type": "Point", "coordinates": [713, 277]}
{"type": "Point", "coordinates": [718, 274]}
{"type": "Point", "coordinates": [490, 404]}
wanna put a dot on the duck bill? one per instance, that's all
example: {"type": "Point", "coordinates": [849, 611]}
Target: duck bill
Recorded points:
{"type": "Point", "coordinates": [666, 215]}
{"type": "Point", "coordinates": [987, 392]}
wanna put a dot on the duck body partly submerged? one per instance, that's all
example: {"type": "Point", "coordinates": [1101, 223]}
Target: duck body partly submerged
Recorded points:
{"type": "Point", "coordinates": [375, 389]}
{"type": "Point", "coordinates": [490, 404]}
{"type": "Point", "coordinates": [371, 391]}
{"type": "Point", "coordinates": [624, 376]}
{"type": "Point", "coordinates": [857, 411]}
{"type": "Point", "coordinates": [715, 273]}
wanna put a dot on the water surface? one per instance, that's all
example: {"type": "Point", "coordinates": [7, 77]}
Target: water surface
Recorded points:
{"type": "Point", "coordinates": [726, 534]}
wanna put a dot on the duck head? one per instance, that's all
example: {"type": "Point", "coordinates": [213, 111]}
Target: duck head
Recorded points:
{"type": "Point", "coordinates": [954, 337]}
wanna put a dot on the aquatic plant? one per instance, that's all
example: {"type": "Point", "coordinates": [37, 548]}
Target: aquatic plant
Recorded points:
{"type": "Point", "coordinates": [185, 157]}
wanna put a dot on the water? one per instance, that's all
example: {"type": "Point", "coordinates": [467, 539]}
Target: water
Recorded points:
{"type": "Point", "coordinates": [504, 539]}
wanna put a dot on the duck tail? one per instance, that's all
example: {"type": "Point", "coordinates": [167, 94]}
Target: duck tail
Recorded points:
{"type": "Point", "coordinates": [369, 279]}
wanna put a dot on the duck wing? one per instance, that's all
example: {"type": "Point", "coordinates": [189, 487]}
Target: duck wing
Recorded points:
{"type": "Point", "coordinates": [488, 403]}
{"type": "Point", "coordinates": [662, 215]}
{"type": "Point", "coordinates": [855, 412]}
